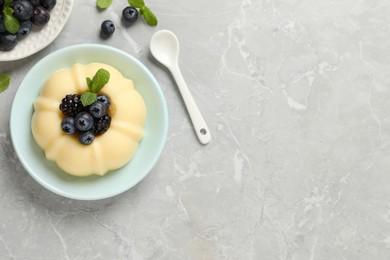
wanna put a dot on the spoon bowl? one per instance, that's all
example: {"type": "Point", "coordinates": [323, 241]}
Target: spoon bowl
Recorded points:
{"type": "Point", "coordinates": [164, 46]}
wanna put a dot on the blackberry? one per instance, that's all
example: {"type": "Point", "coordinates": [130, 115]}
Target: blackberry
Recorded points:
{"type": "Point", "coordinates": [71, 105]}
{"type": "Point", "coordinates": [102, 124]}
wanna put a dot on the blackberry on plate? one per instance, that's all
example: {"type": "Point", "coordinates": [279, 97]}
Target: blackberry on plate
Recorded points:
{"type": "Point", "coordinates": [71, 105]}
{"type": "Point", "coordinates": [102, 124]}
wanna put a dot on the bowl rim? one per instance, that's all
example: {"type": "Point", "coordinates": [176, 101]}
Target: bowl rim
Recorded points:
{"type": "Point", "coordinates": [159, 149]}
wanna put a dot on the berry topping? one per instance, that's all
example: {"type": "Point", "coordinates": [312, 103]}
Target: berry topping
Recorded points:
{"type": "Point", "coordinates": [104, 99]}
{"type": "Point", "coordinates": [107, 28]}
{"type": "Point", "coordinates": [129, 14]}
{"type": "Point", "coordinates": [86, 137]}
{"type": "Point", "coordinates": [97, 109]}
{"type": "Point", "coordinates": [84, 121]}
{"type": "Point", "coordinates": [102, 124]}
{"type": "Point", "coordinates": [86, 114]}
{"type": "Point", "coordinates": [68, 126]}
{"type": "Point", "coordinates": [71, 105]}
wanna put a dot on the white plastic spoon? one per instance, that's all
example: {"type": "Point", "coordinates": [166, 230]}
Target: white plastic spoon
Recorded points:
{"type": "Point", "coordinates": [165, 48]}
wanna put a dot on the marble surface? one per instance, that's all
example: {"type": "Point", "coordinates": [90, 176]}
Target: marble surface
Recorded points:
{"type": "Point", "coordinates": [297, 98]}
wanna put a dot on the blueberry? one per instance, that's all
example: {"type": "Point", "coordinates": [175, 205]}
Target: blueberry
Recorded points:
{"type": "Point", "coordinates": [35, 3]}
{"type": "Point", "coordinates": [104, 99]}
{"type": "Point", "coordinates": [23, 9]}
{"type": "Point", "coordinates": [8, 41]}
{"type": "Point", "coordinates": [24, 29]}
{"type": "Point", "coordinates": [68, 126]}
{"type": "Point", "coordinates": [1, 3]}
{"type": "Point", "coordinates": [84, 121]}
{"type": "Point", "coordinates": [48, 4]}
{"type": "Point", "coordinates": [97, 109]}
{"type": "Point", "coordinates": [107, 28]}
{"type": "Point", "coordinates": [40, 16]}
{"type": "Point", "coordinates": [86, 137]}
{"type": "Point", "coordinates": [129, 14]}
{"type": "Point", "coordinates": [2, 26]}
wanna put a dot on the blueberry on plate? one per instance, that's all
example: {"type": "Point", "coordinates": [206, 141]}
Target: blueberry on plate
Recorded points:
{"type": "Point", "coordinates": [129, 14]}
{"type": "Point", "coordinates": [97, 109]}
{"type": "Point", "coordinates": [67, 125]}
{"type": "Point", "coordinates": [2, 26]}
{"type": "Point", "coordinates": [86, 137]}
{"type": "Point", "coordinates": [48, 4]}
{"type": "Point", "coordinates": [84, 121]}
{"type": "Point", "coordinates": [8, 41]}
{"type": "Point", "coordinates": [107, 28]}
{"type": "Point", "coordinates": [23, 9]}
{"type": "Point", "coordinates": [40, 16]}
{"type": "Point", "coordinates": [35, 3]}
{"type": "Point", "coordinates": [24, 29]}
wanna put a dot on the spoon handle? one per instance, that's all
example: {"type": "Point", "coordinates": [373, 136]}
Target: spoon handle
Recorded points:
{"type": "Point", "coordinates": [201, 129]}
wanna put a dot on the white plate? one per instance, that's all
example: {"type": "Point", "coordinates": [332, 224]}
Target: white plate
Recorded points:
{"type": "Point", "coordinates": [40, 38]}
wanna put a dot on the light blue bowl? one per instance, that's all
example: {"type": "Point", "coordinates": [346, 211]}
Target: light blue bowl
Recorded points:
{"type": "Point", "coordinates": [46, 172]}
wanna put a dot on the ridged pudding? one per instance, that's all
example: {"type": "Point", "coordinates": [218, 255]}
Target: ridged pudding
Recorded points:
{"type": "Point", "coordinates": [109, 151]}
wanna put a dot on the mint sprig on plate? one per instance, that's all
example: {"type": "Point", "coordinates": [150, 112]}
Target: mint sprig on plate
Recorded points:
{"type": "Point", "coordinates": [4, 82]}
{"type": "Point", "coordinates": [99, 80]}
{"type": "Point", "coordinates": [9, 20]}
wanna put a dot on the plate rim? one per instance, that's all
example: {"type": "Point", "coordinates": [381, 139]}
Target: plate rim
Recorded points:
{"type": "Point", "coordinates": [44, 182]}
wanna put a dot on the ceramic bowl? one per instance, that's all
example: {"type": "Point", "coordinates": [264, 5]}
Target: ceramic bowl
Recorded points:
{"type": "Point", "coordinates": [93, 187]}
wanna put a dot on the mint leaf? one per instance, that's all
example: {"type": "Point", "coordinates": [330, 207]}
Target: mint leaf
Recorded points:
{"type": "Point", "coordinates": [103, 4]}
{"type": "Point", "coordinates": [7, 2]}
{"type": "Point", "coordinates": [89, 82]}
{"type": "Point", "coordinates": [4, 82]}
{"type": "Point", "coordinates": [136, 3]}
{"type": "Point", "coordinates": [10, 22]}
{"type": "Point", "coordinates": [100, 79]}
{"type": "Point", "coordinates": [149, 16]}
{"type": "Point", "coordinates": [95, 84]}
{"type": "Point", "coordinates": [88, 98]}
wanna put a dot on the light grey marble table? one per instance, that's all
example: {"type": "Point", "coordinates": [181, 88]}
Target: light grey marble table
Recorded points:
{"type": "Point", "coordinates": [297, 98]}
